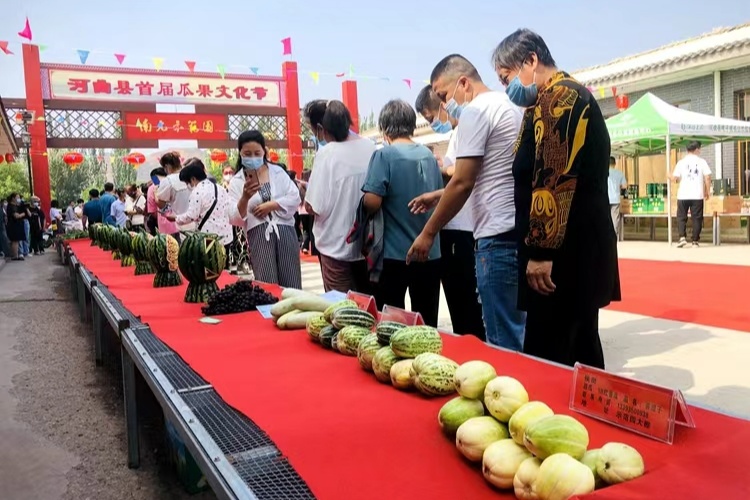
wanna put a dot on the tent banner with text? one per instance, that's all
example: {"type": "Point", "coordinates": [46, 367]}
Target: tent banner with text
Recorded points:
{"type": "Point", "coordinates": [175, 126]}
{"type": "Point", "coordinates": [162, 87]}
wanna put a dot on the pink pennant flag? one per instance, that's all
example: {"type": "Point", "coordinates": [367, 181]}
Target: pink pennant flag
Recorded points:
{"type": "Point", "coordinates": [120, 58]}
{"type": "Point", "coordinates": [190, 66]}
{"type": "Point", "coordinates": [407, 82]}
{"type": "Point", "coordinates": [26, 31]}
{"type": "Point", "coordinates": [340, 75]}
{"type": "Point", "coordinates": [5, 49]}
{"type": "Point", "coordinates": [287, 43]}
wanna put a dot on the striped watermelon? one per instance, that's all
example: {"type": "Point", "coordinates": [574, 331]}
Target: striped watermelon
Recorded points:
{"type": "Point", "coordinates": [328, 313]}
{"type": "Point", "coordinates": [351, 316]}
{"type": "Point", "coordinates": [162, 252]}
{"type": "Point", "coordinates": [326, 336]}
{"type": "Point", "coordinates": [125, 245]}
{"type": "Point", "coordinates": [349, 339]}
{"type": "Point", "coordinates": [139, 246]}
{"type": "Point", "coordinates": [366, 349]}
{"type": "Point", "coordinates": [314, 326]}
{"type": "Point", "coordinates": [436, 379]}
{"type": "Point", "coordinates": [412, 341]}
{"type": "Point", "coordinates": [102, 231]}
{"type": "Point", "coordinates": [92, 234]}
{"type": "Point", "coordinates": [386, 329]}
{"type": "Point", "coordinates": [382, 362]}
{"type": "Point", "coordinates": [201, 260]}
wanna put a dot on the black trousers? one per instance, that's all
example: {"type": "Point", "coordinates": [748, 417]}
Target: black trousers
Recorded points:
{"type": "Point", "coordinates": [696, 214]}
{"type": "Point", "coordinates": [422, 279]}
{"type": "Point", "coordinates": [459, 278]}
{"type": "Point", "coordinates": [558, 333]}
{"type": "Point", "coordinates": [306, 222]}
{"type": "Point", "coordinates": [36, 244]}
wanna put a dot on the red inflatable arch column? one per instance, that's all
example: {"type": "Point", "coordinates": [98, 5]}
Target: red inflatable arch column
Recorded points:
{"type": "Point", "coordinates": [32, 70]}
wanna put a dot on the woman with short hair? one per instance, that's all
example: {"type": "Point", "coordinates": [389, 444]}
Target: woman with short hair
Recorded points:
{"type": "Point", "coordinates": [263, 202]}
{"type": "Point", "coordinates": [15, 229]}
{"type": "Point", "coordinates": [397, 174]}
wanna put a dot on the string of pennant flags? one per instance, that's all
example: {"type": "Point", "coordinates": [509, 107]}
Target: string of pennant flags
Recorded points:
{"type": "Point", "coordinates": [221, 69]}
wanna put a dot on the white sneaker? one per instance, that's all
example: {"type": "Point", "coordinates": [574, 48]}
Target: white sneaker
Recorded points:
{"type": "Point", "coordinates": [682, 243]}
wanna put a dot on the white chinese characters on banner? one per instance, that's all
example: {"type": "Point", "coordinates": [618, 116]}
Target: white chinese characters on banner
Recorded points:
{"type": "Point", "coordinates": [162, 88]}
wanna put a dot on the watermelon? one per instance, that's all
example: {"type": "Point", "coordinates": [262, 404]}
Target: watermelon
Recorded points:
{"type": "Point", "coordinates": [201, 259]}
{"type": "Point", "coordinates": [412, 341]}
{"type": "Point", "coordinates": [386, 329]}
{"type": "Point", "coordinates": [350, 337]}
{"type": "Point", "coordinates": [556, 434]}
{"type": "Point", "coordinates": [328, 313]}
{"type": "Point", "coordinates": [140, 254]}
{"type": "Point", "coordinates": [436, 378]}
{"type": "Point", "coordinates": [314, 327]}
{"type": "Point", "coordinates": [335, 342]}
{"type": "Point", "coordinates": [326, 336]}
{"type": "Point", "coordinates": [366, 349]}
{"type": "Point", "coordinates": [457, 411]}
{"type": "Point", "coordinates": [102, 231]}
{"type": "Point", "coordinates": [92, 234]}
{"type": "Point", "coordinates": [382, 362]}
{"type": "Point", "coordinates": [351, 316]}
{"type": "Point", "coordinates": [125, 245]}
{"type": "Point", "coordinates": [162, 252]}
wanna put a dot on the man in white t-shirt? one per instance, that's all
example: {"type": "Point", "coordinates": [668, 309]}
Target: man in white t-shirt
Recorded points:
{"type": "Point", "coordinates": [694, 177]}
{"type": "Point", "coordinates": [484, 161]}
{"type": "Point", "coordinates": [136, 208]}
{"type": "Point", "coordinates": [172, 194]}
{"type": "Point", "coordinates": [457, 261]}
{"type": "Point", "coordinates": [333, 194]}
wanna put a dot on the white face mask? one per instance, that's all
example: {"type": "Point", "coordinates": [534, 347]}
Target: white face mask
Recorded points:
{"type": "Point", "coordinates": [227, 178]}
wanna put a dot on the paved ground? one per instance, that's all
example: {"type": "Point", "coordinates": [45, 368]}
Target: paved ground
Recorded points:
{"type": "Point", "coordinates": [61, 418]}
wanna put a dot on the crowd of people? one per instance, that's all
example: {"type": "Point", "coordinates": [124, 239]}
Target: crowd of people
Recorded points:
{"type": "Point", "coordinates": [514, 220]}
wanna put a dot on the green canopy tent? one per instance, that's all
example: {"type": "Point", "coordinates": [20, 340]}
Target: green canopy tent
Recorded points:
{"type": "Point", "coordinates": [652, 126]}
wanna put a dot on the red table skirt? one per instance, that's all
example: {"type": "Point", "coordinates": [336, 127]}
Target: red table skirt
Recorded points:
{"type": "Point", "coordinates": [350, 437]}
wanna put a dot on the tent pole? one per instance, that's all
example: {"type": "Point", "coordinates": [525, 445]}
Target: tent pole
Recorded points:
{"type": "Point", "coordinates": [669, 191]}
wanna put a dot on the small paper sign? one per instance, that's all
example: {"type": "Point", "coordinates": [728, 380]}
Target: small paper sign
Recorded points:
{"type": "Point", "coordinates": [408, 318]}
{"type": "Point", "coordinates": [265, 311]}
{"type": "Point", "coordinates": [334, 295]}
{"type": "Point", "coordinates": [646, 409]}
{"type": "Point", "coordinates": [210, 321]}
{"type": "Point", "coordinates": [364, 302]}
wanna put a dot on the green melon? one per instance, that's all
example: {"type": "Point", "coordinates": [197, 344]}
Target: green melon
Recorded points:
{"type": "Point", "coordinates": [412, 341]}
{"type": "Point", "coordinates": [556, 434]}
{"type": "Point", "coordinates": [457, 411]}
{"type": "Point", "coordinates": [350, 337]}
{"type": "Point", "coordinates": [326, 336]}
{"type": "Point", "coordinates": [366, 349]}
{"type": "Point", "coordinates": [314, 326]}
{"type": "Point", "coordinates": [162, 252]}
{"type": "Point", "coordinates": [201, 260]}
{"type": "Point", "coordinates": [140, 254]}
{"type": "Point", "coordinates": [382, 362]}
{"type": "Point", "coordinates": [386, 329]}
{"type": "Point", "coordinates": [351, 316]}
{"type": "Point", "coordinates": [328, 313]}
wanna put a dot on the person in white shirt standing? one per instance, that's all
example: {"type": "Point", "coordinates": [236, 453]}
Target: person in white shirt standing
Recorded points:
{"type": "Point", "coordinates": [172, 195]}
{"type": "Point", "coordinates": [484, 160]}
{"type": "Point", "coordinates": [333, 195]}
{"type": "Point", "coordinates": [694, 177]}
{"type": "Point", "coordinates": [615, 185]}
{"type": "Point", "coordinates": [457, 261]}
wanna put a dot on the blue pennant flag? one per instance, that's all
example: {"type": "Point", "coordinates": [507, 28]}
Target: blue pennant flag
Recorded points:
{"type": "Point", "coordinates": [83, 55]}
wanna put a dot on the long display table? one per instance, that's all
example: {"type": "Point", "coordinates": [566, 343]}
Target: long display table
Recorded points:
{"type": "Point", "coordinates": [349, 436]}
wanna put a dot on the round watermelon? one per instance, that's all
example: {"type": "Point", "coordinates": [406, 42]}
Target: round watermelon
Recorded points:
{"type": "Point", "coordinates": [139, 246]}
{"type": "Point", "coordinates": [93, 235]}
{"type": "Point", "coordinates": [162, 252]}
{"type": "Point", "coordinates": [102, 234]}
{"type": "Point", "coordinates": [124, 244]}
{"type": "Point", "coordinates": [201, 260]}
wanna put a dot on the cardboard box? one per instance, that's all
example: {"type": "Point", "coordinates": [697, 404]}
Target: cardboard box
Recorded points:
{"type": "Point", "coordinates": [626, 207]}
{"type": "Point", "coordinates": [723, 205]}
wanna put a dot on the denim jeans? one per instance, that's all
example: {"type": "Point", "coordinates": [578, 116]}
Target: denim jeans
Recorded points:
{"type": "Point", "coordinates": [23, 247]}
{"type": "Point", "coordinates": [497, 281]}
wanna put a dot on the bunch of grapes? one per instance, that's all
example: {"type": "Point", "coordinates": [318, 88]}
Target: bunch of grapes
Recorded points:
{"type": "Point", "coordinates": [238, 297]}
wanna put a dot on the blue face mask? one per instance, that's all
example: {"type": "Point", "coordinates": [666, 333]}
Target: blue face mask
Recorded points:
{"type": "Point", "coordinates": [319, 143]}
{"type": "Point", "coordinates": [453, 108]}
{"type": "Point", "coordinates": [441, 127]}
{"type": "Point", "coordinates": [520, 94]}
{"type": "Point", "coordinates": [252, 162]}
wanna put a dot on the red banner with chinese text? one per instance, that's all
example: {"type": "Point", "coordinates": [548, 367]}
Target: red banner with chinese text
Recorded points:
{"type": "Point", "coordinates": [175, 126]}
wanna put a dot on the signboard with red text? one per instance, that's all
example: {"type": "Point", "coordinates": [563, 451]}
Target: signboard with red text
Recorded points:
{"type": "Point", "coordinates": [162, 126]}
{"type": "Point", "coordinates": [162, 87]}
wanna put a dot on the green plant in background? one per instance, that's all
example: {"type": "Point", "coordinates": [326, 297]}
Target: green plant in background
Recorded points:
{"type": "Point", "coordinates": [123, 173]}
{"type": "Point", "coordinates": [67, 183]}
{"type": "Point", "coordinates": [14, 179]}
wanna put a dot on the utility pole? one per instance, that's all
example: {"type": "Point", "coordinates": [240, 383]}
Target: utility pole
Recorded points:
{"type": "Point", "coordinates": [27, 118]}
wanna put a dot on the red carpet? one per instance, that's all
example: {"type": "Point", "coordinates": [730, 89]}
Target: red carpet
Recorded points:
{"type": "Point", "coordinates": [706, 294]}
{"type": "Point", "coordinates": [351, 437]}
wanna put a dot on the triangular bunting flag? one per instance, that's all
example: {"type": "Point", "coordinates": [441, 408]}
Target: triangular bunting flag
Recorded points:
{"type": "Point", "coordinates": [287, 44]}
{"type": "Point", "coordinates": [602, 93]}
{"type": "Point", "coordinates": [614, 91]}
{"type": "Point", "coordinates": [407, 81]}
{"type": "Point", "coordinates": [83, 55]}
{"type": "Point", "coordinates": [42, 47]}
{"type": "Point", "coordinates": [120, 58]}
{"type": "Point", "coordinates": [190, 66]}
{"type": "Point", "coordinates": [26, 31]}
{"type": "Point", "coordinates": [4, 48]}
{"type": "Point", "coordinates": [351, 71]}
{"type": "Point", "coordinates": [254, 70]}
{"type": "Point", "coordinates": [158, 63]}
{"type": "Point", "coordinates": [340, 75]}
{"type": "Point", "coordinates": [221, 69]}
{"type": "Point", "coordinates": [315, 77]}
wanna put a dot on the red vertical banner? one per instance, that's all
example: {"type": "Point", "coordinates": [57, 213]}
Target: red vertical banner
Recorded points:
{"type": "Point", "coordinates": [293, 117]}
{"type": "Point", "coordinates": [349, 97]}
{"type": "Point", "coordinates": [37, 130]}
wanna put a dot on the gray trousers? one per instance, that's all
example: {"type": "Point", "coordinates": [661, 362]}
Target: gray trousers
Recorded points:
{"type": "Point", "coordinates": [616, 220]}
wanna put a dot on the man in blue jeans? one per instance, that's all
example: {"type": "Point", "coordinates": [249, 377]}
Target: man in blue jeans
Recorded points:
{"type": "Point", "coordinates": [484, 160]}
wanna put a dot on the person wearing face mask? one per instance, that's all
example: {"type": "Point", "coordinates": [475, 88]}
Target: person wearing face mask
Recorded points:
{"type": "Point", "coordinates": [136, 207]}
{"type": "Point", "coordinates": [568, 246]}
{"type": "Point", "coordinates": [16, 216]}
{"type": "Point", "coordinates": [489, 125]}
{"type": "Point", "coordinates": [36, 226]}
{"type": "Point", "coordinates": [263, 200]}
{"type": "Point", "coordinates": [156, 222]}
{"type": "Point", "coordinates": [208, 207]}
{"type": "Point", "coordinates": [333, 194]}
{"type": "Point", "coordinates": [4, 242]}
{"type": "Point", "coordinates": [457, 266]}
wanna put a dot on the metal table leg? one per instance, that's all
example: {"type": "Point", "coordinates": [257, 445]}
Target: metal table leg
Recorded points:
{"type": "Point", "coordinates": [98, 321]}
{"type": "Point", "coordinates": [81, 298]}
{"type": "Point", "coordinates": [131, 408]}
{"type": "Point", "coordinates": [652, 229]}
{"type": "Point", "coordinates": [717, 229]}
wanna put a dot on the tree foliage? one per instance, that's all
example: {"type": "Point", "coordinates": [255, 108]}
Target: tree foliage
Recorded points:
{"type": "Point", "coordinates": [68, 183]}
{"type": "Point", "coordinates": [14, 179]}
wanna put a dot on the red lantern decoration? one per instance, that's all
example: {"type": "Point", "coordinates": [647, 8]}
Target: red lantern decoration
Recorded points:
{"type": "Point", "coordinates": [622, 101]}
{"type": "Point", "coordinates": [9, 158]}
{"type": "Point", "coordinates": [73, 159]}
{"type": "Point", "coordinates": [136, 159]}
{"type": "Point", "coordinates": [1, 159]}
{"type": "Point", "coordinates": [218, 156]}
{"type": "Point", "coordinates": [273, 157]}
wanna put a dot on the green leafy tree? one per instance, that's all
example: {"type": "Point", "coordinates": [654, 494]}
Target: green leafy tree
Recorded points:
{"type": "Point", "coordinates": [14, 179]}
{"type": "Point", "coordinates": [68, 183]}
{"type": "Point", "coordinates": [124, 173]}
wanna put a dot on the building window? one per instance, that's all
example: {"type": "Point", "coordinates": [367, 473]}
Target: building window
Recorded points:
{"type": "Point", "coordinates": [742, 98]}
{"type": "Point", "coordinates": [682, 105]}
